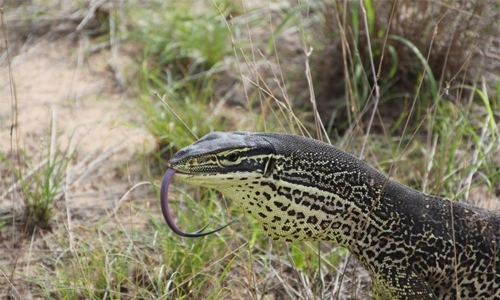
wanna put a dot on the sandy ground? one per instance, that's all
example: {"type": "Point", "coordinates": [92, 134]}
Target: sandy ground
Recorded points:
{"type": "Point", "coordinates": [58, 86]}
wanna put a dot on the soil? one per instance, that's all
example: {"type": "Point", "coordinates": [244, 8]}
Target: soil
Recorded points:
{"type": "Point", "coordinates": [59, 86]}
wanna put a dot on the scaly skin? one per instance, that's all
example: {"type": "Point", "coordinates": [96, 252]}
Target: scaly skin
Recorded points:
{"type": "Point", "coordinates": [414, 245]}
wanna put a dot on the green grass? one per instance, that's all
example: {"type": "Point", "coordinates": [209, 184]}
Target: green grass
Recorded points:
{"type": "Point", "coordinates": [225, 67]}
{"type": "Point", "coordinates": [40, 179]}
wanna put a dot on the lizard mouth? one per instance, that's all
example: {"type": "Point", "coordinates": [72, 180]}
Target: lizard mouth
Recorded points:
{"type": "Point", "coordinates": [167, 179]}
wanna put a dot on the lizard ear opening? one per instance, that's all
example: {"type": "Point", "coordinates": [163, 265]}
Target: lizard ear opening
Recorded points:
{"type": "Point", "coordinates": [271, 162]}
{"type": "Point", "coordinates": [269, 167]}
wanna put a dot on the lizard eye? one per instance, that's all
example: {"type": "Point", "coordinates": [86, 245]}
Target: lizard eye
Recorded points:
{"type": "Point", "coordinates": [233, 157]}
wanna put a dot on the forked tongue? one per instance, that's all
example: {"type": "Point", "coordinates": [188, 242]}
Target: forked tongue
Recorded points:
{"type": "Point", "coordinates": [168, 216]}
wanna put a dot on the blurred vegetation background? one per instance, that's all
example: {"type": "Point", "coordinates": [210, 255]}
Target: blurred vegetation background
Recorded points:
{"type": "Point", "coordinates": [412, 87]}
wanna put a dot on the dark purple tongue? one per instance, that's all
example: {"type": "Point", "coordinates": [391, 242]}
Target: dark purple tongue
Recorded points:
{"type": "Point", "coordinates": [168, 216]}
